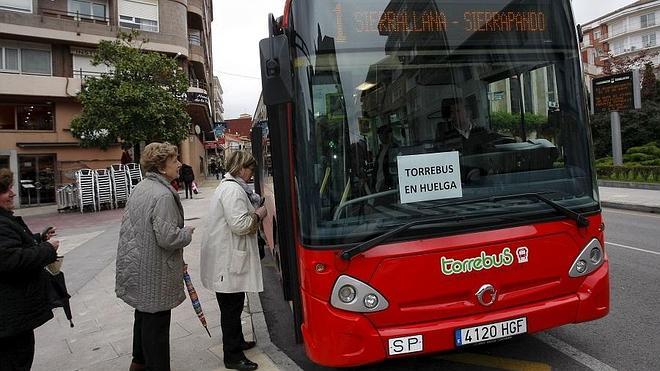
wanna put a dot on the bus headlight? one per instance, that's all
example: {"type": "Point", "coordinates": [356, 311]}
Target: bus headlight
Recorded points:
{"type": "Point", "coordinates": [347, 294]}
{"type": "Point", "coordinates": [589, 259]}
{"type": "Point", "coordinates": [347, 289]}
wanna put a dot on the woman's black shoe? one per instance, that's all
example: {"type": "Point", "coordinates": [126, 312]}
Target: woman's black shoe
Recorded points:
{"type": "Point", "coordinates": [243, 365]}
{"type": "Point", "coordinates": [248, 345]}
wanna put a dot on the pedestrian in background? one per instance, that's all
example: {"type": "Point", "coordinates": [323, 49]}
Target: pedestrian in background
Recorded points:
{"type": "Point", "coordinates": [150, 263]}
{"type": "Point", "coordinates": [23, 281]}
{"type": "Point", "coordinates": [126, 157]}
{"type": "Point", "coordinates": [188, 177]}
{"type": "Point", "coordinates": [230, 263]}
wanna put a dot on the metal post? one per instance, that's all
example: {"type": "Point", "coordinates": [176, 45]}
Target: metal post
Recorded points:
{"type": "Point", "coordinates": [617, 152]}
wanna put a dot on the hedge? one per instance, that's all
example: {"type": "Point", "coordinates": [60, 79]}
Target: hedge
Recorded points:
{"type": "Point", "coordinates": [646, 174]}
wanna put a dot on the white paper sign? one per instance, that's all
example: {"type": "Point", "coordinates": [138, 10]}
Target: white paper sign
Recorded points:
{"type": "Point", "coordinates": [432, 176]}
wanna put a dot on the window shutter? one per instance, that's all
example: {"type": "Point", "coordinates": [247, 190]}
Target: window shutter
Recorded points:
{"type": "Point", "coordinates": [147, 9]}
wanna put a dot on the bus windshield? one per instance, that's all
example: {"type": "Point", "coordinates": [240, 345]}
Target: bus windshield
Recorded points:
{"type": "Point", "coordinates": [494, 85]}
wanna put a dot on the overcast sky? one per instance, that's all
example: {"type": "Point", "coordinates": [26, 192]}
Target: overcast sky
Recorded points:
{"type": "Point", "coordinates": [237, 29]}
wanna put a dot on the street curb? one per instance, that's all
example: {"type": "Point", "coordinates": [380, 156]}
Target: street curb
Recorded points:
{"type": "Point", "coordinates": [631, 185]}
{"type": "Point", "coordinates": [642, 208]}
{"type": "Point", "coordinates": [262, 336]}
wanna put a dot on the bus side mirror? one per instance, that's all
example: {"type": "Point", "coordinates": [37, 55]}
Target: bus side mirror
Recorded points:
{"type": "Point", "coordinates": [579, 33]}
{"type": "Point", "coordinates": [276, 80]}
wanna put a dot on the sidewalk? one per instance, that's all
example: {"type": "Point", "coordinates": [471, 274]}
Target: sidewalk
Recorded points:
{"type": "Point", "coordinates": [644, 200]}
{"type": "Point", "coordinates": [102, 336]}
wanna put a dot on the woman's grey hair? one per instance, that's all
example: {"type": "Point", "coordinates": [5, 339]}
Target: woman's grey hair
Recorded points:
{"type": "Point", "coordinates": [6, 180]}
{"type": "Point", "coordinates": [155, 156]}
{"type": "Point", "coordinates": [237, 160]}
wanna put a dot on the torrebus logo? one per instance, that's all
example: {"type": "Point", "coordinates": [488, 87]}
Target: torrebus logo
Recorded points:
{"type": "Point", "coordinates": [483, 261]}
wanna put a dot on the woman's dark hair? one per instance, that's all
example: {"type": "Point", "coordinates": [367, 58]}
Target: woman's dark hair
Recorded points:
{"type": "Point", "coordinates": [6, 180]}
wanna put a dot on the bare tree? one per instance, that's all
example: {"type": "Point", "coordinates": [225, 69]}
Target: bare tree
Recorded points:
{"type": "Point", "coordinates": [624, 63]}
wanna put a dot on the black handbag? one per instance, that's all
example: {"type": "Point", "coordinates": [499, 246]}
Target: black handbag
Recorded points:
{"type": "Point", "coordinates": [262, 245]}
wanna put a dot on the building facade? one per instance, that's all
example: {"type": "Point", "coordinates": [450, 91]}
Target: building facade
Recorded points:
{"type": "Point", "coordinates": [219, 110]}
{"type": "Point", "coordinates": [45, 54]}
{"type": "Point", "coordinates": [625, 33]}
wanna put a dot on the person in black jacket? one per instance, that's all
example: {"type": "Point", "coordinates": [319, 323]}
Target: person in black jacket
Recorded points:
{"type": "Point", "coordinates": [188, 177]}
{"type": "Point", "coordinates": [23, 281]}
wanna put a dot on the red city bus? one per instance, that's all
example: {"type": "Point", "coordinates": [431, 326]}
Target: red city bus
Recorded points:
{"type": "Point", "coordinates": [432, 173]}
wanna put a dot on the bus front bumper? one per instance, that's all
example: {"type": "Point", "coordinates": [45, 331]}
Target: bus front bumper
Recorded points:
{"type": "Point", "coordinates": [338, 338]}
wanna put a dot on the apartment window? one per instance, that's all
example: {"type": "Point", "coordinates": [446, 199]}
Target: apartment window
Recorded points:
{"type": "Point", "coordinates": [141, 15]}
{"type": "Point", "coordinates": [648, 40]}
{"type": "Point", "coordinates": [597, 35]}
{"type": "Point", "coordinates": [25, 60]}
{"type": "Point", "coordinates": [617, 28]}
{"type": "Point", "coordinates": [647, 20]}
{"type": "Point", "coordinates": [26, 117]}
{"type": "Point", "coordinates": [617, 48]}
{"type": "Point", "coordinates": [9, 59]}
{"type": "Point", "coordinates": [35, 61]}
{"type": "Point", "coordinates": [88, 9]}
{"type": "Point", "coordinates": [16, 5]}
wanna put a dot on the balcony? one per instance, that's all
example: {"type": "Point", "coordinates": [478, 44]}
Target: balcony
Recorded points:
{"type": "Point", "coordinates": [199, 107]}
{"type": "Point", "coordinates": [196, 6]}
{"type": "Point", "coordinates": [40, 86]}
{"type": "Point", "coordinates": [198, 84]}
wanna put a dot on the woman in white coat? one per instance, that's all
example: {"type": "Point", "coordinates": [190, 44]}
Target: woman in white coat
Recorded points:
{"type": "Point", "coordinates": [230, 263]}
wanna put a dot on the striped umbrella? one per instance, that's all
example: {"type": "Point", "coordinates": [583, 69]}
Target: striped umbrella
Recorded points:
{"type": "Point", "coordinates": [195, 300]}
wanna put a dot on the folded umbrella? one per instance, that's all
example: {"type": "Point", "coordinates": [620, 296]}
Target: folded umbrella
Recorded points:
{"type": "Point", "coordinates": [58, 295]}
{"type": "Point", "coordinates": [195, 300]}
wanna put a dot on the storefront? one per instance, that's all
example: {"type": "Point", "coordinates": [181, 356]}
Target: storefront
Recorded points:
{"type": "Point", "coordinates": [36, 179]}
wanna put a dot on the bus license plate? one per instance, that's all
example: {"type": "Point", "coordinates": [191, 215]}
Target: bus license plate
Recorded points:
{"type": "Point", "coordinates": [408, 344]}
{"type": "Point", "coordinates": [491, 331]}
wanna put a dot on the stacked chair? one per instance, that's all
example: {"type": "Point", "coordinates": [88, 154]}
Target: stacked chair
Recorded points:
{"type": "Point", "coordinates": [96, 189]}
{"type": "Point", "coordinates": [119, 184]}
{"type": "Point", "coordinates": [86, 189]}
{"type": "Point", "coordinates": [134, 175]}
{"type": "Point", "coordinates": [67, 198]}
{"type": "Point", "coordinates": [103, 185]}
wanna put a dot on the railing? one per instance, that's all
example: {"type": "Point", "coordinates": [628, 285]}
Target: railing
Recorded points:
{"type": "Point", "coordinates": [195, 39]}
{"type": "Point", "coordinates": [194, 83]}
{"type": "Point", "coordinates": [74, 16]}
{"type": "Point", "coordinates": [626, 29]}
{"type": "Point", "coordinates": [138, 26]}
{"type": "Point", "coordinates": [81, 74]}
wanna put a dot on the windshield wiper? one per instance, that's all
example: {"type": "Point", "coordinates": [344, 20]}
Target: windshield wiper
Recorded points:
{"type": "Point", "coordinates": [580, 220]}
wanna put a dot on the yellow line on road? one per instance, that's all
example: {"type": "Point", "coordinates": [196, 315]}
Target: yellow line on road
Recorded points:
{"type": "Point", "coordinates": [495, 362]}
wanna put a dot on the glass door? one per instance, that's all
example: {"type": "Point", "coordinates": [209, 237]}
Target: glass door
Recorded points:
{"type": "Point", "coordinates": [37, 180]}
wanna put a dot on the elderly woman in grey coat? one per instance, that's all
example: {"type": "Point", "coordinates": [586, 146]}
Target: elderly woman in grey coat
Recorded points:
{"type": "Point", "coordinates": [150, 256]}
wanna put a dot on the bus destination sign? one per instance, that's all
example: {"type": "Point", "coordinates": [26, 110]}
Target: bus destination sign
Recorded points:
{"type": "Point", "coordinates": [614, 93]}
{"type": "Point", "coordinates": [505, 24]}
{"type": "Point", "coordinates": [428, 21]}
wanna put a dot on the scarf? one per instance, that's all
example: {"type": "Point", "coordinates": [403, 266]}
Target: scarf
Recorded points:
{"type": "Point", "coordinates": [255, 199]}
